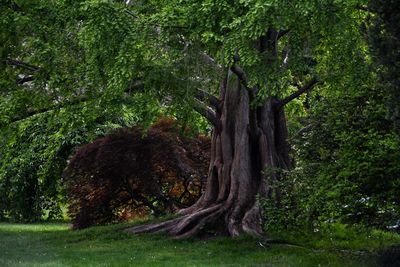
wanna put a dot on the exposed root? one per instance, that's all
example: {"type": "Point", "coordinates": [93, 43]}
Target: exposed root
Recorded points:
{"type": "Point", "coordinates": [192, 224]}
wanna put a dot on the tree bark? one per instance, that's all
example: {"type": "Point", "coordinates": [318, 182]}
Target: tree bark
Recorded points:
{"type": "Point", "coordinates": [248, 150]}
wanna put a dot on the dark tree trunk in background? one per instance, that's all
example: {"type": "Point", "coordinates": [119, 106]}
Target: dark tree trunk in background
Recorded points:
{"type": "Point", "coordinates": [249, 148]}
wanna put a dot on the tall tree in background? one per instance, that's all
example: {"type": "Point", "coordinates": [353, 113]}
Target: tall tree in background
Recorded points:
{"type": "Point", "coordinates": [384, 37]}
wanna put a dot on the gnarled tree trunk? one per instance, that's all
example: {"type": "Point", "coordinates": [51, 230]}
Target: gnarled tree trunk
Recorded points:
{"type": "Point", "coordinates": [248, 146]}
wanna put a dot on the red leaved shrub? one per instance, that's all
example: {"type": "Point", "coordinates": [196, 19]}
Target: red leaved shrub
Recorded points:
{"type": "Point", "coordinates": [131, 174]}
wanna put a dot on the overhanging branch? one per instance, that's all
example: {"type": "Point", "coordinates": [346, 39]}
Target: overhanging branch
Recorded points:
{"type": "Point", "coordinates": [135, 87]}
{"type": "Point", "coordinates": [243, 80]}
{"type": "Point", "coordinates": [21, 64]}
{"type": "Point", "coordinates": [25, 79]}
{"type": "Point", "coordinates": [49, 108]}
{"type": "Point", "coordinates": [296, 94]}
{"type": "Point", "coordinates": [207, 113]}
{"type": "Point", "coordinates": [208, 98]}
{"type": "Point", "coordinates": [238, 70]}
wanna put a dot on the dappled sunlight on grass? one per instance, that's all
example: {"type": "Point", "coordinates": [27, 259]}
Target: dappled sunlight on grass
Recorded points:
{"type": "Point", "coordinates": [45, 227]}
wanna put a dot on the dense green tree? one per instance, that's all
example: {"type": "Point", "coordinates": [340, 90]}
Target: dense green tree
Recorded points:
{"type": "Point", "coordinates": [348, 152]}
{"type": "Point", "coordinates": [269, 53]}
{"type": "Point", "coordinates": [50, 103]}
{"type": "Point", "coordinates": [240, 64]}
{"type": "Point", "coordinates": [348, 160]}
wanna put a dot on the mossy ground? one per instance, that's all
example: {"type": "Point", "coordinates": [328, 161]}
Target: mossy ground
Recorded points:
{"type": "Point", "coordinates": [54, 244]}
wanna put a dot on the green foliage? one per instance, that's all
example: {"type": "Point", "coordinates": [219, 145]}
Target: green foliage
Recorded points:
{"type": "Point", "coordinates": [348, 160]}
{"type": "Point", "coordinates": [74, 96]}
{"type": "Point", "coordinates": [34, 153]}
{"type": "Point", "coordinates": [347, 153]}
{"type": "Point", "coordinates": [347, 156]}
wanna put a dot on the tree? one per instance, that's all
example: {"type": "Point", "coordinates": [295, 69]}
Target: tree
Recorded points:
{"type": "Point", "coordinates": [50, 104]}
{"type": "Point", "coordinates": [347, 165]}
{"type": "Point", "coordinates": [237, 63]}
{"type": "Point", "coordinates": [384, 37]}
{"type": "Point", "coordinates": [126, 175]}
{"type": "Point", "coordinates": [267, 48]}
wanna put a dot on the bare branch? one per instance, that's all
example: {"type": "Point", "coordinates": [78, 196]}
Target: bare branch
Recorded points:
{"type": "Point", "coordinates": [296, 94]}
{"type": "Point", "coordinates": [207, 112]}
{"type": "Point", "coordinates": [208, 98]}
{"type": "Point", "coordinates": [25, 79]}
{"type": "Point", "coordinates": [21, 64]}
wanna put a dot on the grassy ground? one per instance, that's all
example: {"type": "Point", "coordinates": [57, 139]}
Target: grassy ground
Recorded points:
{"type": "Point", "coordinates": [56, 245]}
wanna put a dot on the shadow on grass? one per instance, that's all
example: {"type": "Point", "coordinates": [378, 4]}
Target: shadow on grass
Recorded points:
{"type": "Point", "coordinates": [389, 257]}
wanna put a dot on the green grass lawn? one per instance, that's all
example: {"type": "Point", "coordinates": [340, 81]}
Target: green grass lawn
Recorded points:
{"type": "Point", "coordinates": [54, 244]}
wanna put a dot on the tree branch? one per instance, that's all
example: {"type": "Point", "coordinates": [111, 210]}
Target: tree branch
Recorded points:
{"type": "Point", "coordinates": [240, 74]}
{"type": "Point", "coordinates": [206, 96]}
{"type": "Point", "coordinates": [25, 79]}
{"type": "Point", "coordinates": [285, 56]}
{"type": "Point", "coordinates": [282, 33]}
{"type": "Point", "coordinates": [49, 108]}
{"type": "Point", "coordinates": [21, 64]}
{"type": "Point", "coordinates": [76, 101]}
{"type": "Point", "coordinates": [211, 61]}
{"type": "Point", "coordinates": [302, 131]}
{"type": "Point", "coordinates": [296, 94]}
{"type": "Point", "coordinates": [208, 113]}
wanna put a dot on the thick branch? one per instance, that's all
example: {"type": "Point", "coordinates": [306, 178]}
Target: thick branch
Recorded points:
{"type": "Point", "coordinates": [240, 74]}
{"type": "Point", "coordinates": [21, 64]}
{"type": "Point", "coordinates": [208, 113]}
{"type": "Point", "coordinates": [137, 87]}
{"type": "Point", "coordinates": [274, 44]}
{"type": "Point", "coordinates": [34, 112]}
{"type": "Point", "coordinates": [243, 79]}
{"type": "Point", "coordinates": [296, 94]}
{"type": "Point", "coordinates": [208, 98]}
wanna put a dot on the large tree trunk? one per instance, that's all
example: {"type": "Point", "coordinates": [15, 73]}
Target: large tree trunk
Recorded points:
{"type": "Point", "coordinates": [249, 147]}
